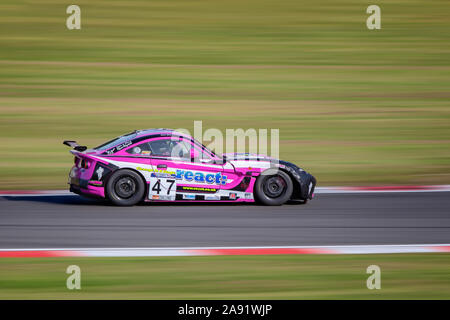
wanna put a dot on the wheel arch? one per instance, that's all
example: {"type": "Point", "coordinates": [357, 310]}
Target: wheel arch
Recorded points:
{"type": "Point", "coordinates": [131, 169]}
{"type": "Point", "coordinates": [296, 193]}
{"type": "Point", "coordinates": [297, 187]}
{"type": "Point", "coordinates": [259, 195]}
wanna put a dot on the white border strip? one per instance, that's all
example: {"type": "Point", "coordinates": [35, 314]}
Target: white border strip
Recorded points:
{"type": "Point", "coordinates": [318, 190]}
{"type": "Point", "coordinates": [213, 251]}
{"type": "Point", "coordinates": [35, 193]}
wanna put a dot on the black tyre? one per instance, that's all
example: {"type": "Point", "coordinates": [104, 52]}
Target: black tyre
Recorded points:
{"type": "Point", "coordinates": [125, 188]}
{"type": "Point", "coordinates": [273, 188]}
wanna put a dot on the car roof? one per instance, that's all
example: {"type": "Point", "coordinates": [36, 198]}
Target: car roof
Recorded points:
{"type": "Point", "coordinates": [161, 131]}
{"type": "Point", "coordinates": [139, 135]}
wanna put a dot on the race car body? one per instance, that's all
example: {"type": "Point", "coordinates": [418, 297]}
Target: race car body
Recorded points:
{"type": "Point", "coordinates": [166, 165]}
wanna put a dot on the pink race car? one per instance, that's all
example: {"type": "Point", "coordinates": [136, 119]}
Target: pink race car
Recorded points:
{"type": "Point", "coordinates": [166, 165]}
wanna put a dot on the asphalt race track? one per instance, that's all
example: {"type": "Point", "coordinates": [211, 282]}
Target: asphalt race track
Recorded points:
{"type": "Point", "coordinates": [330, 219]}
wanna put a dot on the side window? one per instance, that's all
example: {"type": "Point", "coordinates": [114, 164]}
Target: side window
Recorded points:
{"type": "Point", "coordinates": [142, 149]}
{"type": "Point", "coordinates": [169, 148]}
{"type": "Point", "coordinates": [181, 149]}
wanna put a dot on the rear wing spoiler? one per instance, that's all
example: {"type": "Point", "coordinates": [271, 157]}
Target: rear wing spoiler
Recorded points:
{"type": "Point", "coordinates": [74, 145]}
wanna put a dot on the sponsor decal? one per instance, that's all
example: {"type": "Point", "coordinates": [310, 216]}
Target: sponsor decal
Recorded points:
{"type": "Point", "coordinates": [119, 147]}
{"type": "Point", "coordinates": [137, 150]}
{"type": "Point", "coordinates": [248, 195]}
{"type": "Point", "coordinates": [201, 177]}
{"type": "Point", "coordinates": [233, 196]}
{"type": "Point", "coordinates": [123, 145]}
{"type": "Point", "coordinates": [99, 173]}
{"type": "Point", "coordinates": [155, 173]}
{"type": "Point", "coordinates": [167, 198]}
{"type": "Point", "coordinates": [187, 175]}
{"type": "Point", "coordinates": [155, 197]}
{"type": "Point", "coordinates": [197, 189]}
{"type": "Point", "coordinates": [161, 175]}
{"type": "Point", "coordinates": [189, 196]}
{"type": "Point", "coordinates": [95, 183]}
{"type": "Point", "coordinates": [213, 197]}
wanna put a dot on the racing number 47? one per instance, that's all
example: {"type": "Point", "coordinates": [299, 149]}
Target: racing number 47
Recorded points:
{"type": "Point", "coordinates": [157, 186]}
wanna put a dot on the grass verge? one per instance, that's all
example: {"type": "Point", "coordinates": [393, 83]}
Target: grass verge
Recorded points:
{"type": "Point", "coordinates": [403, 276]}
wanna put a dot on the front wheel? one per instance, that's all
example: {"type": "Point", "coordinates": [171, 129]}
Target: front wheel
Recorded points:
{"type": "Point", "coordinates": [125, 188]}
{"type": "Point", "coordinates": [273, 188]}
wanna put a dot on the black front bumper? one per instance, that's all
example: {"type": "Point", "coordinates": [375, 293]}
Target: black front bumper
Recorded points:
{"type": "Point", "coordinates": [75, 189]}
{"type": "Point", "coordinates": [307, 185]}
{"type": "Point", "coordinates": [304, 183]}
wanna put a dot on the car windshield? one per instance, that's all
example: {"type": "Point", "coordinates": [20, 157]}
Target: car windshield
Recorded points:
{"type": "Point", "coordinates": [207, 150]}
{"type": "Point", "coordinates": [116, 141]}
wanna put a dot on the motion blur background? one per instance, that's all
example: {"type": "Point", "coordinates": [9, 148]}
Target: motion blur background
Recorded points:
{"type": "Point", "coordinates": [354, 106]}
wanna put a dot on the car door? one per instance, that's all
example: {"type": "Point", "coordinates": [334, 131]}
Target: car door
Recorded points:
{"type": "Point", "coordinates": [181, 171]}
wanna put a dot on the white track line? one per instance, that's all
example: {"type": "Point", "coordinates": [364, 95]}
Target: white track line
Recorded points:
{"type": "Point", "coordinates": [318, 190]}
{"type": "Point", "coordinates": [214, 251]}
{"type": "Point", "coordinates": [33, 193]}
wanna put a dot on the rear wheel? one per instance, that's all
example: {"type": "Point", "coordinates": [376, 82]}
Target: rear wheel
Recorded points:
{"type": "Point", "coordinates": [125, 188]}
{"type": "Point", "coordinates": [273, 188]}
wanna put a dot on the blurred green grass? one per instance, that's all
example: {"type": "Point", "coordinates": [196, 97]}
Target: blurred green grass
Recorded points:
{"type": "Point", "coordinates": [403, 276]}
{"type": "Point", "coordinates": [353, 106]}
